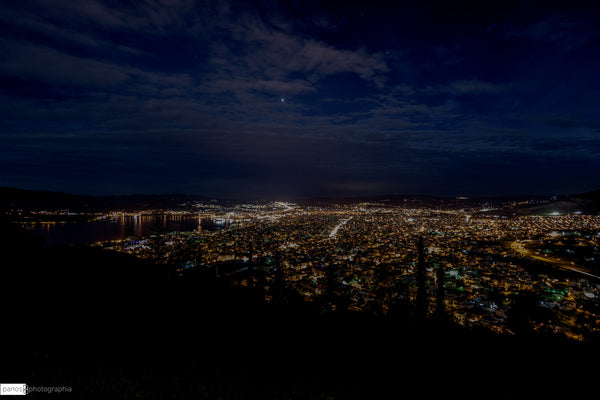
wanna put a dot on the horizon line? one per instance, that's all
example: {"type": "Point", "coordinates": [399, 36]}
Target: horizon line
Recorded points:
{"type": "Point", "coordinates": [462, 196]}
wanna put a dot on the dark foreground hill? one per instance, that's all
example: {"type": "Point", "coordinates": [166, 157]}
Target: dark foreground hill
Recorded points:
{"type": "Point", "coordinates": [111, 326]}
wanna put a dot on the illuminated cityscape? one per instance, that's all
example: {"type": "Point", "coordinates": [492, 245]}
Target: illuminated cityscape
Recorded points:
{"type": "Point", "coordinates": [486, 259]}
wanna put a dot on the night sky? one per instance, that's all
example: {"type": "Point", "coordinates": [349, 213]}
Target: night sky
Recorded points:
{"type": "Point", "coordinates": [258, 99]}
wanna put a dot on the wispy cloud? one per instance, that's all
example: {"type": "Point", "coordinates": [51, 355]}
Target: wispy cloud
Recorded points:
{"type": "Point", "coordinates": [259, 52]}
{"type": "Point", "coordinates": [567, 32]}
{"type": "Point", "coordinates": [468, 87]}
{"type": "Point", "coordinates": [475, 86]}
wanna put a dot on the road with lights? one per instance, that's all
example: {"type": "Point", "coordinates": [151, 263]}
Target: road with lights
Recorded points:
{"type": "Point", "coordinates": [521, 249]}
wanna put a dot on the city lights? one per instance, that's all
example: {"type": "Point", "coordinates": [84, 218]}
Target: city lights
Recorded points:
{"type": "Point", "coordinates": [487, 259]}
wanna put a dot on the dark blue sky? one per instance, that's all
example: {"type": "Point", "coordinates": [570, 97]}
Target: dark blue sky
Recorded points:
{"type": "Point", "coordinates": [299, 98]}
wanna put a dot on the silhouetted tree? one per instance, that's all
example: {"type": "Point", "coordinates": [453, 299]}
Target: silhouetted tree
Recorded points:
{"type": "Point", "coordinates": [183, 252]}
{"type": "Point", "coordinates": [421, 281]}
{"type": "Point", "coordinates": [332, 283]}
{"type": "Point", "coordinates": [440, 310]}
{"type": "Point", "coordinates": [278, 285]}
{"type": "Point", "coordinates": [343, 298]}
{"type": "Point", "coordinates": [156, 241]}
{"type": "Point", "coordinates": [251, 265]}
{"type": "Point", "coordinates": [522, 313]}
{"type": "Point", "coordinates": [383, 277]}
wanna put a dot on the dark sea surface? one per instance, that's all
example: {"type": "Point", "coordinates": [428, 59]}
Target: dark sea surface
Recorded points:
{"type": "Point", "coordinates": [127, 227]}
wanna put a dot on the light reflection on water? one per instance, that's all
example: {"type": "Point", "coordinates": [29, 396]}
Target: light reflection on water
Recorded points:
{"type": "Point", "coordinates": [120, 228]}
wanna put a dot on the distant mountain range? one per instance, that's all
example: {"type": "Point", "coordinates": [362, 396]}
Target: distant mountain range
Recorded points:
{"type": "Point", "coordinates": [36, 200]}
{"type": "Point", "coordinates": [417, 200]}
{"type": "Point", "coordinates": [586, 203]}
